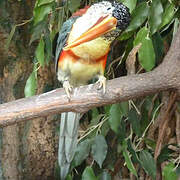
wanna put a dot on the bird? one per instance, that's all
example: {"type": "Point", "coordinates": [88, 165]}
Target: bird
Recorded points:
{"type": "Point", "coordinates": [83, 44]}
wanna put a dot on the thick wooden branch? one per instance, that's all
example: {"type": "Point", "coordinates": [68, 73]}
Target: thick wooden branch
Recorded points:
{"type": "Point", "coordinates": [164, 77]}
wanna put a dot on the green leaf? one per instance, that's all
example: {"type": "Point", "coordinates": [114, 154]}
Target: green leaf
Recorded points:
{"type": "Point", "coordinates": [99, 149]}
{"type": "Point", "coordinates": [168, 14]}
{"type": "Point", "coordinates": [148, 163]}
{"type": "Point", "coordinates": [95, 113]}
{"type": "Point", "coordinates": [107, 109]}
{"type": "Point", "coordinates": [134, 158]}
{"type": "Point", "coordinates": [158, 45]}
{"type": "Point", "coordinates": [48, 48]}
{"type": "Point", "coordinates": [124, 107]}
{"type": "Point", "coordinates": [125, 35]}
{"type": "Point", "coordinates": [105, 128]}
{"type": "Point", "coordinates": [128, 48]}
{"type": "Point", "coordinates": [141, 35]}
{"type": "Point", "coordinates": [128, 159]}
{"type": "Point", "coordinates": [69, 177]}
{"type": "Point", "coordinates": [134, 119]}
{"type": "Point", "coordinates": [105, 176]}
{"type": "Point", "coordinates": [155, 15]}
{"type": "Point", "coordinates": [40, 52]}
{"type": "Point", "coordinates": [115, 117]}
{"type": "Point", "coordinates": [151, 144]}
{"type": "Point", "coordinates": [165, 154]}
{"type": "Point", "coordinates": [73, 5]}
{"type": "Point", "coordinates": [122, 131]}
{"type": "Point", "coordinates": [43, 2]}
{"type": "Point", "coordinates": [169, 172]}
{"type": "Point", "coordinates": [131, 4]}
{"type": "Point", "coordinates": [146, 54]}
{"type": "Point", "coordinates": [88, 174]}
{"type": "Point", "coordinates": [40, 12]}
{"type": "Point", "coordinates": [38, 30]}
{"type": "Point", "coordinates": [31, 85]}
{"type": "Point", "coordinates": [138, 16]}
{"type": "Point", "coordinates": [82, 151]}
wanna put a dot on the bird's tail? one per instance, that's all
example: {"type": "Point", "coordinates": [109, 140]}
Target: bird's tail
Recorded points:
{"type": "Point", "coordinates": [67, 140]}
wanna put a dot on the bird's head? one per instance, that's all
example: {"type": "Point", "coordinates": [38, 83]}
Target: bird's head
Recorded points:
{"type": "Point", "coordinates": [106, 19]}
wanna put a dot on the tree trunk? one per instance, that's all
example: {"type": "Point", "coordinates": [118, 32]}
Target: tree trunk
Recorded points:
{"type": "Point", "coordinates": [27, 150]}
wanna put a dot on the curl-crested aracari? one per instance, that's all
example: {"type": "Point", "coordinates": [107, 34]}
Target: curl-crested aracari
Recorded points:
{"type": "Point", "coordinates": [81, 53]}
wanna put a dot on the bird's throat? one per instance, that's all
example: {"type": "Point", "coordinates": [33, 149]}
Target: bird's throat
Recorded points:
{"type": "Point", "coordinates": [92, 50]}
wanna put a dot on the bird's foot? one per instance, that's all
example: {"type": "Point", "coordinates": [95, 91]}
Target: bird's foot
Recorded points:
{"type": "Point", "coordinates": [68, 88]}
{"type": "Point", "coordinates": [102, 83]}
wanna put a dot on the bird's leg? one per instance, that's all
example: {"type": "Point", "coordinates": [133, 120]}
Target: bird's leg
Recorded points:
{"type": "Point", "coordinates": [67, 87]}
{"type": "Point", "coordinates": [102, 83]}
{"type": "Point", "coordinates": [63, 77]}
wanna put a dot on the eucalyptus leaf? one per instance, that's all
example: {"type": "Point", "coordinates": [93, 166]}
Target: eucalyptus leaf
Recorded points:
{"type": "Point", "coordinates": [115, 117]}
{"type": "Point", "coordinates": [168, 14]}
{"type": "Point", "coordinates": [88, 174]}
{"type": "Point", "coordinates": [134, 119]}
{"type": "Point", "coordinates": [141, 35]}
{"type": "Point", "coordinates": [105, 128]}
{"type": "Point", "coordinates": [38, 30]}
{"type": "Point", "coordinates": [69, 177]}
{"type": "Point", "coordinates": [95, 113]}
{"type": "Point", "coordinates": [40, 12]}
{"type": "Point", "coordinates": [73, 5]}
{"type": "Point", "coordinates": [124, 107]}
{"type": "Point", "coordinates": [128, 161]}
{"type": "Point", "coordinates": [130, 148]}
{"type": "Point", "coordinates": [125, 35]}
{"type": "Point", "coordinates": [122, 131]}
{"type": "Point", "coordinates": [82, 152]}
{"type": "Point", "coordinates": [138, 16]}
{"type": "Point", "coordinates": [43, 2]}
{"type": "Point", "coordinates": [151, 144]}
{"type": "Point", "coordinates": [158, 45]}
{"type": "Point", "coordinates": [48, 48]}
{"type": "Point", "coordinates": [155, 15]}
{"type": "Point", "coordinates": [31, 85]}
{"type": "Point", "coordinates": [169, 172]}
{"type": "Point", "coordinates": [148, 163]}
{"type": "Point", "coordinates": [146, 54]}
{"type": "Point", "coordinates": [99, 149]}
{"type": "Point", "coordinates": [166, 153]}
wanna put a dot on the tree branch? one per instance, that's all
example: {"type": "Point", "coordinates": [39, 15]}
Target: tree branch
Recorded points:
{"type": "Point", "coordinates": [165, 77]}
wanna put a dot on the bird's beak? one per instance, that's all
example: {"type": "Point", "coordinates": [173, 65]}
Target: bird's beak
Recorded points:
{"type": "Point", "coordinates": [107, 24]}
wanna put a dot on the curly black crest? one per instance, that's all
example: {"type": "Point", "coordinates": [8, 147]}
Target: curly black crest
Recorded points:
{"type": "Point", "coordinates": [121, 13]}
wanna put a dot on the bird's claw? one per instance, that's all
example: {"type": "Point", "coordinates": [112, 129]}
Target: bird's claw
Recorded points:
{"type": "Point", "coordinates": [102, 83]}
{"type": "Point", "coordinates": [68, 88]}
